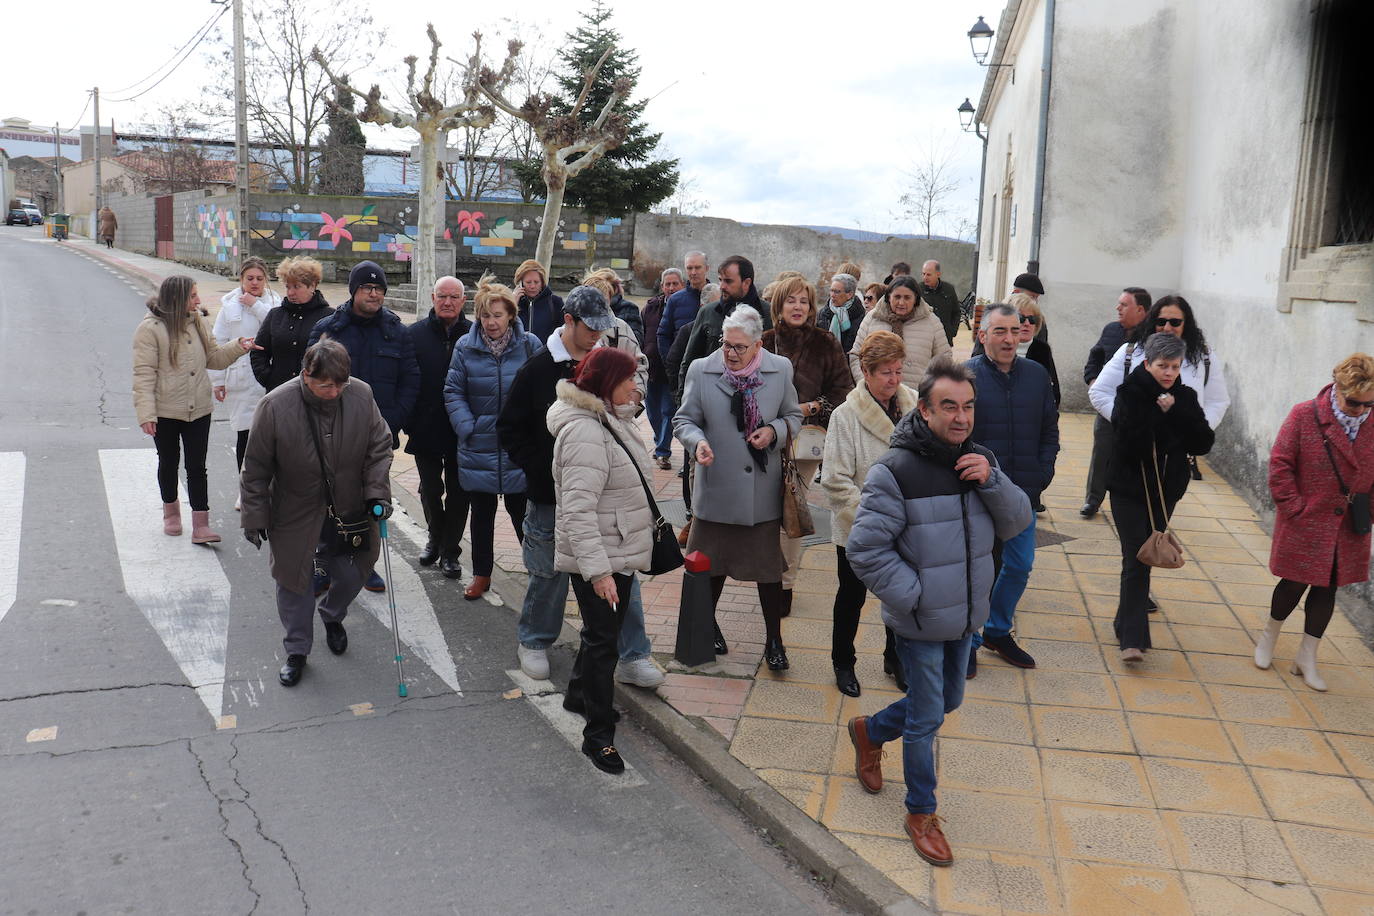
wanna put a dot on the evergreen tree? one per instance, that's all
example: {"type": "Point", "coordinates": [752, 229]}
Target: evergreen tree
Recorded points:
{"type": "Point", "coordinates": [341, 154]}
{"type": "Point", "coordinates": [627, 179]}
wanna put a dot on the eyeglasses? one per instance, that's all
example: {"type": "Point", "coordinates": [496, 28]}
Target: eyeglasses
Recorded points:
{"type": "Point", "coordinates": [1354, 403]}
{"type": "Point", "coordinates": [869, 297]}
{"type": "Point", "coordinates": [372, 288]}
{"type": "Point", "coordinates": [1030, 319]}
{"type": "Point", "coordinates": [1171, 322]}
{"type": "Point", "coordinates": [737, 349]}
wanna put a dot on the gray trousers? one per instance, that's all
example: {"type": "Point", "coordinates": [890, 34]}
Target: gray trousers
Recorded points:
{"type": "Point", "coordinates": [1100, 464]}
{"type": "Point", "coordinates": [297, 611]}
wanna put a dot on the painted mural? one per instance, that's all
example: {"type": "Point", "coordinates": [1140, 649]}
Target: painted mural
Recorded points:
{"type": "Point", "coordinates": [214, 226]}
{"type": "Point", "coordinates": [384, 228]}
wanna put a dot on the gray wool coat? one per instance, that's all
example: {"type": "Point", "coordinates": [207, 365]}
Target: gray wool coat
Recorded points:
{"type": "Point", "coordinates": [732, 490]}
{"type": "Point", "coordinates": [281, 487]}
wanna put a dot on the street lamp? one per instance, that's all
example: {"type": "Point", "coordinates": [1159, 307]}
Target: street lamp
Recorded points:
{"type": "Point", "coordinates": [980, 39]}
{"type": "Point", "coordinates": [966, 113]}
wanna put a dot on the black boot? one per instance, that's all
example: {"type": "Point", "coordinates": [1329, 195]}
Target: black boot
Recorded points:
{"type": "Point", "coordinates": [787, 602]}
{"type": "Point", "coordinates": [429, 554]}
{"type": "Point", "coordinates": [721, 647]}
{"type": "Point", "coordinates": [775, 654]}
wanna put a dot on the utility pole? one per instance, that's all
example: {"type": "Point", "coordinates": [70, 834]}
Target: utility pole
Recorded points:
{"type": "Point", "coordinates": [241, 235]}
{"type": "Point", "coordinates": [99, 196]}
{"type": "Point", "coordinates": [57, 168]}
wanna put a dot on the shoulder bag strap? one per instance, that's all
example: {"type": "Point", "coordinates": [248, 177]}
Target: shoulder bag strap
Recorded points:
{"type": "Point", "coordinates": [653, 506]}
{"type": "Point", "coordinates": [1330, 456]}
{"type": "Point", "coordinates": [1159, 488]}
{"type": "Point", "coordinates": [319, 453]}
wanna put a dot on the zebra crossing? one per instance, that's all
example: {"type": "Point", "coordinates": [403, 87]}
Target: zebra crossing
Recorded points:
{"type": "Point", "coordinates": [186, 592]}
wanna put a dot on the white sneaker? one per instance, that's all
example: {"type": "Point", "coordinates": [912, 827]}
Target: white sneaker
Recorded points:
{"type": "Point", "coordinates": [534, 662]}
{"type": "Point", "coordinates": [642, 672]}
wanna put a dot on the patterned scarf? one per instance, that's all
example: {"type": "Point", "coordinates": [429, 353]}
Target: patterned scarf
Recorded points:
{"type": "Point", "coordinates": [1350, 424]}
{"type": "Point", "coordinates": [498, 345]}
{"type": "Point", "coordinates": [839, 319]}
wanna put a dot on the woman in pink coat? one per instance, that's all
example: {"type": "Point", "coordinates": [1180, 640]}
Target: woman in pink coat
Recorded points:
{"type": "Point", "coordinates": [1321, 473]}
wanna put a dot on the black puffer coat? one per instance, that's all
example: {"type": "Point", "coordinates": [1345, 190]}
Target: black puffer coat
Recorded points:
{"type": "Point", "coordinates": [284, 336]}
{"type": "Point", "coordinates": [429, 429]}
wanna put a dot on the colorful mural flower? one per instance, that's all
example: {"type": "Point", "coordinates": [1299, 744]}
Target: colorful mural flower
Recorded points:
{"type": "Point", "coordinates": [470, 222]}
{"type": "Point", "coordinates": [334, 227]}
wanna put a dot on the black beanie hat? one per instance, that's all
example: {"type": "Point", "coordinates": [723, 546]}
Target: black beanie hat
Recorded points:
{"type": "Point", "coordinates": [365, 272]}
{"type": "Point", "coordinates": [1030, 283]}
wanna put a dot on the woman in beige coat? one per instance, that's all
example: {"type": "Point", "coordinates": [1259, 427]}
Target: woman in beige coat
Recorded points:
{"type": "Point", "coordinates": [858, 435]}
{"type": "Point", "coordinates": [604, 527]}
{"type": "Point", "coordinates": [284, 496]}
{"type": "Point", "coordinates": [904, 314]}
{"type": "Point", "coordinates": [172, 398]}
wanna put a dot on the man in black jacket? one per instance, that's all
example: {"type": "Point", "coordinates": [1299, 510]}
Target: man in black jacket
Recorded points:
{"type": "Point", "coordinates": [941, 297]}
{"type": "Point", "coordinates": [1131, 308]}
{"type": "Point", "coordinates": [736, 288]}
{"type": "Point", "coordinates": [524, 434]}
{"type": "Point", "coordinates": [430, 434]}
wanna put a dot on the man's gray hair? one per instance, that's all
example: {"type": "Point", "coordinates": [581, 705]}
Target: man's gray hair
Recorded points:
{"type": "Point", "coordinates": [1001, 308]}
{"type": "Point", "coordinates": [934, 262]}
{"type": "Point", "coordinates": [462, 290]}
{"type": "Point", "coordinates": [327, 360]}
{"type": "Point", "coordinates": [849, 283]}
{"type": "Point", "coordinates": [710, 294]}
{"type": "Point", "coordinates": [695, 254]}
{"type": "Point", "coordinates": [1164, 346]}
{"type": "Point", "coordinates": [676, 271]}
{"type": "Point", "coordinates": [746, 319]}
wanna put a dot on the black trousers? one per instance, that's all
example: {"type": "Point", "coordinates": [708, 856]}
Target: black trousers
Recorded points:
{"type": "Point", "coordinates": [1100, 464]}
{"type": "Point", "coordinates": [594, 669]}
{"type": "Point", "coordinates": [1132, 608]}
{"type": "Point", "coordinates": [484, 527]}
{"type": "Point", "coordinates": [172, 438]}
{"type": "Point", "coordinates": [444, 500]}
{"type": "Point", "coordinates": [849, 605]}
{"type": "Point", "coordinates": [240, 447]}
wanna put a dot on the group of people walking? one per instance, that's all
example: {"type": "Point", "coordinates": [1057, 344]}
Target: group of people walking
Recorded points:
{"type": "Point", "coordinates": [934, 470]}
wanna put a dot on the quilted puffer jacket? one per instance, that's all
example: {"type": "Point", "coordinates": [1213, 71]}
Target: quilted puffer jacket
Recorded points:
{"type": "Point", "coordinates": [603, 522]}
{"type": "Point", "coordinates": [922, 538]}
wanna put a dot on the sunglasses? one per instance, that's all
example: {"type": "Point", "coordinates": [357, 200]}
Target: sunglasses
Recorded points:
{"type": "Point", "coordinates": [1030, 319]}
{"type": "Point", "coordinates": [1171, 322]}
{"type": "Point", "coordinates": [1354, 403]}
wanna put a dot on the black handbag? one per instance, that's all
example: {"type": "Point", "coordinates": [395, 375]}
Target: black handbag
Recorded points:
{"type": "Point", "coordinates": [351, 533]}
{"type": "Point", "coordinates": [667, 555]}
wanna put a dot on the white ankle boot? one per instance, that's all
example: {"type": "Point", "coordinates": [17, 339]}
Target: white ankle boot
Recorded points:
{"type": "Point", "coordinates": [1306, 663]}
{"type": "Point", "coordinates": [1264, 648]}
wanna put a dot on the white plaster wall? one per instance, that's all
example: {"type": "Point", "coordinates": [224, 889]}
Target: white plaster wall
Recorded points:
{"type": "Point", "coordinates": [1012, 123]}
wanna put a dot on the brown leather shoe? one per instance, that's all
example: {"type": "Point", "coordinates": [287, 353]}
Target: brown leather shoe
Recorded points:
{"type": "Point", "coordinates": [684, 534]}
{"type": "Point", "coordinates": [477, 587]}
{"type": "Point", "coordinates": [868, 757]}
{"type": "Point", "coordinates": [929, 839]}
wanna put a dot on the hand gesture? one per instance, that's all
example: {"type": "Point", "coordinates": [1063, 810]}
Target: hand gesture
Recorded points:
{"type": "Point", "coordinates": [220, 392]}
{"type": "Point", "coordinates": [1165, 401]}
{"type": "Point", "coordinates": [247, 299]}
{"type": "Point", "coordinates": [704, 455]}
{"type": "Point", "coordinates": [763, 437]}
{"type": "Point", "coordinates": [247, 344]}
{"type": "Point", "coordinates": [974, 467]}
{"type": "Point", "coordinates": [605, 590]}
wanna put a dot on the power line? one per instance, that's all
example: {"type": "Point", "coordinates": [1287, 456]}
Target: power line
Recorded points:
{"type": "Point", "coordinates": [192, 43]}
{"type": "Point", "coordinates": [83, 112]}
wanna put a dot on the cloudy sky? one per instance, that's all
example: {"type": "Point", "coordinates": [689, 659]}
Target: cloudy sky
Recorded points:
{"type": "Point", "coordinates": [812, 117]}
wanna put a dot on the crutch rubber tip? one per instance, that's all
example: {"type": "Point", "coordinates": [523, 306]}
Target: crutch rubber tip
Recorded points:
{"type": "Point", "coordinates": [401, 689]}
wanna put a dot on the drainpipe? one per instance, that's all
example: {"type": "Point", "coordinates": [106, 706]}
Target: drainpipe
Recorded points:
{"type": "Point", "coordinates": [978, 233]}
{"type": "Point", "coordinates": [1046, 70]}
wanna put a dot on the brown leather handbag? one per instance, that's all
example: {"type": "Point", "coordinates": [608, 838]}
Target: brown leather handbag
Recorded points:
{"type": "Point", "coordinates": [796, 512]}
{"type": "Point", "coordinates": [1161, 548]}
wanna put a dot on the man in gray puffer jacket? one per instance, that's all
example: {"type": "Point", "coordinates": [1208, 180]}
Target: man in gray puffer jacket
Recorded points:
{"type": "Point", "coordinates": [922, 542]}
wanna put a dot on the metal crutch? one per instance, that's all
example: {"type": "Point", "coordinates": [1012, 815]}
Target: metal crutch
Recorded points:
{"type": "Point", "coordinates": [391, 598]}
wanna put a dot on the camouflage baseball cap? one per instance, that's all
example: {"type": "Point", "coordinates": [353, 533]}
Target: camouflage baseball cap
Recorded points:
{"type": "Point", "coordinates": [587, 305]}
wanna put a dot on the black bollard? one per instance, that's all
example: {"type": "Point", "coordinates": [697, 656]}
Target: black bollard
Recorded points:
{"type": "Point", "coordinates": [696, 633]}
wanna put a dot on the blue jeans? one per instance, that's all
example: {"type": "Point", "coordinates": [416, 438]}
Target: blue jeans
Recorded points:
{"type": "Point", "coordinates": [1018, 556]}
{"type": "Point", "coordinates": [660, 407]}
{"type": "Point", "coordinates": [935, 687]}
{"type": "Point", "coordinates": [546, 594]}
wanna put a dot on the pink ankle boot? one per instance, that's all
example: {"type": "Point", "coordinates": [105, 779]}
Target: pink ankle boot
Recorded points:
{"type": "Point", "coordinates": [201, 532]}
{"type": "Point", "coordinates": [171, 519]}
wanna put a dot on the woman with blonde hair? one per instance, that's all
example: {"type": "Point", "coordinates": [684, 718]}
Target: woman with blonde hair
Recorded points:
{"type": "Point", "coordinates": [1035, 344]}
{"type": "Point", "coordinates": [172, 397]}
{"type": "Point", "coordinates": [242, 312]}
{"type": "Point", "coordinates": [820, 376]}
{"type": "Point", "coordinates": [480, 374]}
{"type": "Point", "coordinates": [858, 436]}
{"type": "Point", "coordinates": [540, 311]}
{"type": "Point", "coordinates": [1321, 475]}
{"type": "Point", "coordinates": [603, 279]}
{"type": "Point", "coordinates": [285, 332]}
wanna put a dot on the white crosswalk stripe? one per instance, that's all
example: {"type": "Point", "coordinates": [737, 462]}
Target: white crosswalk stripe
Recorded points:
{"type": "Point", "coordinates": [179, 586]}
{"type": "Point", "coordinates": [11, 517]}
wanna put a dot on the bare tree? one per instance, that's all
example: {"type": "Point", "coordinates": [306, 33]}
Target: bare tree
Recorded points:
{"type": "Point", "coordinates": [569, 147]}
{"type": "Point", "coordinates": [288, 91]}
{"type": "Point", "coordinates": [686, 200]}
{"type": "Point", "coordinates": [432, 119]}
{"type": "Point", "coordinates": [929, 183]}
{"type": "Point", "coordinates": [176, 161]}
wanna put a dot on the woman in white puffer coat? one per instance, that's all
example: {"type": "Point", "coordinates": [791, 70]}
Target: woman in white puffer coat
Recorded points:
{"type": "Point", "coordinates": [241, 312]}
{"type": "Point", "coordinates": [604, 527]}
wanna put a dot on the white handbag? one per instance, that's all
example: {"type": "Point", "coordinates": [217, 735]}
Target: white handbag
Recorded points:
{"type": "Point", "coordinates": [809, 443]}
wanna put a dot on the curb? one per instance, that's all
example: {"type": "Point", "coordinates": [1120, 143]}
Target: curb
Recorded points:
{"type": "Point", "coordinates": [851, 880]}
{"type": "Point", "coordinates": [149, 280]}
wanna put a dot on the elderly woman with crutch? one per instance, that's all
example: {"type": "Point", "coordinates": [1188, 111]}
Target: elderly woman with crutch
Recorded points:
{"type": "Point", "coordinates": [1321, 474]}
{"type": "Point", "coordinates": [739, 407]}
{"type": "Point", "coordinates": [317, 469]}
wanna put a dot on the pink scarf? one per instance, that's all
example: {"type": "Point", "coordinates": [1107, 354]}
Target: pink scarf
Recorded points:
{"type": "Point", "coordinates": [746, 381]}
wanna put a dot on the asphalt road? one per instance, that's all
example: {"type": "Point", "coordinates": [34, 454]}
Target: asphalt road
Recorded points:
{"type": "Point", "coordinates": [150, 763]}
